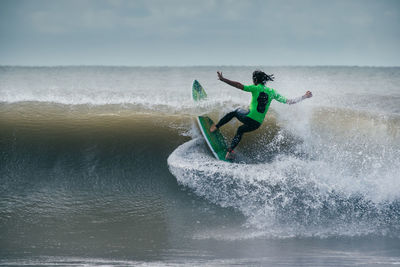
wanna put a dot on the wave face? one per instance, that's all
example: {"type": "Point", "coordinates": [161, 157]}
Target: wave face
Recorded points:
{"type": "Point", "coordinates": [326, 167]}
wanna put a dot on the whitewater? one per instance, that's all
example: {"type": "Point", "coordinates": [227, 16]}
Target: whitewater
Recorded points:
{"type": "Point", "coordinates": [106, 166]}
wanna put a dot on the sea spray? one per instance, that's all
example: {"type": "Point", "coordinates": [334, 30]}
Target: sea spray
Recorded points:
{"type": "Point", "coordinates": [297, 194]}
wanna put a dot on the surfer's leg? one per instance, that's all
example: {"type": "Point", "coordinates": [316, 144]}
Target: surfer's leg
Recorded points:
{"type": "Point", "coordinates": [241, 115]}
{"type": "Point", "coordinates": [236, 139]}
{"type": "Point", "coordinates": [238, 113]}
{"type": "Point", "coordinates": [225, 119]}
{"type": "Point", "coordinates": [240, 131]}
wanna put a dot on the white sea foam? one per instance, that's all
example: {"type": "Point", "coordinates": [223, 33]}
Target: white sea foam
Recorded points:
{"type": "Point", "coordinates": [337, 186]}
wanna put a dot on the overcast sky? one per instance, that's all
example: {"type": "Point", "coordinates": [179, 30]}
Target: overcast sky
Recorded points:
{"type": "Point", "coordinates": [200, 32]}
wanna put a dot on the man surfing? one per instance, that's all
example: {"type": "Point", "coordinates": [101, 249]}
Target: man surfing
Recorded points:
{"type": "Point", "coordinates": [261, 97]}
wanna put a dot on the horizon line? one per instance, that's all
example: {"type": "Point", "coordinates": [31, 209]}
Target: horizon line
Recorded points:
{"type": "Point", "coordinates": [190, 66]}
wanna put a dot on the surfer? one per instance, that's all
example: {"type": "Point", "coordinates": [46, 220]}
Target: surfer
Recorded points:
{"type": "Point", "coordinates": [260, 102]}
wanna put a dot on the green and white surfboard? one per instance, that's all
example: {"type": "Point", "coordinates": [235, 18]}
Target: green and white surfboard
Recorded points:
{"type": "Point", "coordinates": [215, 140]}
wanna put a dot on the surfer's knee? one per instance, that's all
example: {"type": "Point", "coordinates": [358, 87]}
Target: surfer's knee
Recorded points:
{"type": "Point", "coordinates": [242, 129]}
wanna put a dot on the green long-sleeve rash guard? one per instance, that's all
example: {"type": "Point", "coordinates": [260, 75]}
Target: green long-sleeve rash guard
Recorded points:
{"type": "Point", "coordinates": [255, 90]}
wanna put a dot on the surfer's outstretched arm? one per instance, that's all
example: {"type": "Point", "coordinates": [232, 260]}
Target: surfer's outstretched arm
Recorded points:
{"type": "Point", "coordinates": [298, 99]}
{"type": "Point", "coordinates": [238, 85]}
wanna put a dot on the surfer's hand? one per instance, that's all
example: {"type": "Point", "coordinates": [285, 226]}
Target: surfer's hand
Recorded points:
{"type": "Point", "coordinates": [220, 77]}
{"type": "Point", "coordinates": [308, 94]}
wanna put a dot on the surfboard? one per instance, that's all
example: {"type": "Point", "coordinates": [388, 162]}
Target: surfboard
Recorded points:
{"type": "Point", "coordinates": [215, 140]}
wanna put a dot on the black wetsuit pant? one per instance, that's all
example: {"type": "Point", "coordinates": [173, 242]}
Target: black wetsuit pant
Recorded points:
{"type": "Point", "coordinates": [248, 125]}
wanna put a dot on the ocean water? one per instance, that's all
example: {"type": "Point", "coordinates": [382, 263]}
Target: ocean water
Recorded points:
{"type": "Point", "coordinates": [105, 166]}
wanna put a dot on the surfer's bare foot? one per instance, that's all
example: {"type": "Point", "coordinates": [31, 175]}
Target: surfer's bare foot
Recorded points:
{"type": "Point", "coordinates": [229, 155]}
{"type": "Point", "coordinates": [213, 128]}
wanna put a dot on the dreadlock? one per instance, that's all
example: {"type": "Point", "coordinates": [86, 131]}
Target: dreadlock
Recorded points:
{"type": "Point", "coordinates": [261, 77]}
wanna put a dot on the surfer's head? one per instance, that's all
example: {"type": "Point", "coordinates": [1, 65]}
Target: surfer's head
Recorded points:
{"type": "Point", "coordinates": [260, 77]}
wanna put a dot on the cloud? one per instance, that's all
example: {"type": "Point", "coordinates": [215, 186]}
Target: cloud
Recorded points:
{"type": "Point", "coordinates": [308, 31]}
